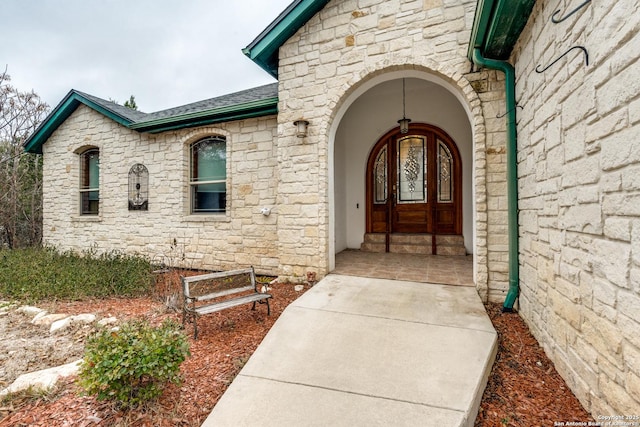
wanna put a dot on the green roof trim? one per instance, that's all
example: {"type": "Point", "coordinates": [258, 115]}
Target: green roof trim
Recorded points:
{"type": "Point", "coordinates": [64, 109]}
{"type": "Point", "coordinates": [250, 103]}
{"type": "Point", "coordinates": [263, 107]}
{"type": "Point", "coordinates": [497, 25]}
{"type": "Point", "coordinates": [264, 49]}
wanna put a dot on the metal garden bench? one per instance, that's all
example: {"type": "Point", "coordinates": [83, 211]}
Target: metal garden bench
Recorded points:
{"type": "Point", "coordinates": [210, 293]}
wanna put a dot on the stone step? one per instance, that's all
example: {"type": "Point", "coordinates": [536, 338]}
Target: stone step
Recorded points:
{"type": "Point", "coordinates": [410, 239]}
{"type": "Point", "coordinates": [373, 247]}
{"type": "Point", "coordinates": [374, 242]}
{"type": "Point", "coordinates": [410, 249]}
{"type": "Point", "coordinates": [375, 238]}
{"type": "Point", "coordinates": [405, 243]}
{"type": "Point", "coordinates": [449, 239]}
{"type": "Point", "coordinates": [455, 250]}
{"type": "Point", "coordinates": [410, 243]}
{"type": "Point", "coordinates": [450, 245]}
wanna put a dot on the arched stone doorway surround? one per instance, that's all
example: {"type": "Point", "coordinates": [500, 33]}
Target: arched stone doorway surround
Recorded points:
{"type": "Point", "coordinates": [458, 86]}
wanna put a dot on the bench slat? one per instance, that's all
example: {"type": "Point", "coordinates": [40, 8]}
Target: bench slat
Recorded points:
{"type": "Point", "coordinates": [206, 309]}
{"type": "Point", "coordinates": [190, 279]}
{"type": "Point", "coordinates": [221, 293]}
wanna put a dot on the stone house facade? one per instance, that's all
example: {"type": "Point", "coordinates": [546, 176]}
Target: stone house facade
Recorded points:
{"type": "Point", "coordinates": [351, 69]}
{"type": "Point", "coordinates": [579, 198]}
{"type": "Point", "coordinates": [166, 231]}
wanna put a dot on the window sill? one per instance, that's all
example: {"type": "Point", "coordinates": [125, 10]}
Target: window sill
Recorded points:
{"type": "Point", "coordinates": [212, 217]}
{"type": "Point", "coordinates": [86, 218]}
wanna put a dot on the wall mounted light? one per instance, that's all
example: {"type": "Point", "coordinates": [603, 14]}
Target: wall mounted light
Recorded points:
{"type": "Point", "coordinates": [301, 128]}
{"type": "Point", "coordinates": [404, 121]}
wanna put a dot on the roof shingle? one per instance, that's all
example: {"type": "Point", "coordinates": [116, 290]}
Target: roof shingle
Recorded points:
{"type": "Point", "coordinates": [255, 102]}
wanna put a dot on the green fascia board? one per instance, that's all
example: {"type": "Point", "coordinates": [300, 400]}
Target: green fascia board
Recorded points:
{"type": "Point", "coordinates": [509, 20]}
{"type": "Point", "coordinates": [483, 15]}
{"type": "Point", "coordinates": [264, 49]}
{"type": "Point", "coordinates": [68, 105]}
{"type": "Point", "coordinates": [497, 25]}
{"type": "Point", "coordinates": [263, 107]}
{"type": "Point", "coordinates": [212, 120]}
{"type": "Point", "coordinates": [62, 111]}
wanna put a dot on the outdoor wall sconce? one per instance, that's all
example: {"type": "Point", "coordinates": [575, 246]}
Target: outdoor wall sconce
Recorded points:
{"type": "Point", "coordinates": [265, 211]}
{"type": "Point", "coordinates": [301, 128]}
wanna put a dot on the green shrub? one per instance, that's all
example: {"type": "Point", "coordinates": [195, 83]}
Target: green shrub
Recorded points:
{"type": "Point", "coordinates": [132, 365]}
{"type": "Point", "coordinates": [35, 274]}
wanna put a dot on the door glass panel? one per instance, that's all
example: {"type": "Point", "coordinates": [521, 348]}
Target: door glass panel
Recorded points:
{"type": "Point", "coordinates": [411, 171]}
{"type": "Point", "coordinates": [445, 176]}
{"type": "Point", "coordinates": [380, 177]}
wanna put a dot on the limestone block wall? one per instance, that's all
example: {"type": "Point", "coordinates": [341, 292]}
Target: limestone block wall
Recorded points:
{"type": "Point", "coordinates": [167, 231]}
{"type": "Point", "coordinates": [491, 159]}
{"type": "Point", "coordinates": [344, 45]}
{"type": "Point", "coordinates": [579, 173]}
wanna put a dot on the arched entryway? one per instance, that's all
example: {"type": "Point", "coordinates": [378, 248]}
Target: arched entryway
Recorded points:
{"type": "Point", "coordinates": [372, 117]}
{"type": "Point", "coordinates": [369, 114]}
{"type": "Point", "coordinates": [414, 183]}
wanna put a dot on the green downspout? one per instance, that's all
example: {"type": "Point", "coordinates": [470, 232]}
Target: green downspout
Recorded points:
{"type": "Point", "coordinates": [512, 172]}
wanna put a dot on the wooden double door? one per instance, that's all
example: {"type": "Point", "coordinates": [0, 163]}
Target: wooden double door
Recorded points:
{"type": "Point", "coordinates": [414, 183]}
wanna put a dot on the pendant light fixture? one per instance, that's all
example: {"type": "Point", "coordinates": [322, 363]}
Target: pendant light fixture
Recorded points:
{"type": "Point", "coordinates": [404, 121]}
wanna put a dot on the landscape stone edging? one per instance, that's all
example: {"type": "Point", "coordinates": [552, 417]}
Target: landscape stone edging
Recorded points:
{"type": "Point", "coordinates": [46, 378]}
{"type": "Point", "coordinates": [43, 379]}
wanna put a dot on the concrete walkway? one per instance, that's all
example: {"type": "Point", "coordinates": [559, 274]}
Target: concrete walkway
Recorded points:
{"type": "Point", "coordinates": [355, 351]}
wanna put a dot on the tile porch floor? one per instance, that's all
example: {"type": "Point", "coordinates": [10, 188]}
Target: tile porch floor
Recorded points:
{"type": "Point", "coordinates": [439, 269]}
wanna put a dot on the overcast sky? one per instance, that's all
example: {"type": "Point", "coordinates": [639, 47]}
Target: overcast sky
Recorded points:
{"type": "Point", "coordinates": [165, 52]}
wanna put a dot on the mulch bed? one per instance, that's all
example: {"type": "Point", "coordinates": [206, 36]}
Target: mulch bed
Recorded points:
{"type": "Point", "coordinates": [524, 389]}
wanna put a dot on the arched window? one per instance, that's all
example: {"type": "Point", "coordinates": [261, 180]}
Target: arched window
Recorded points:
{"type": "Point", "coordinates": [138, 188]}
{"type": "Point", "coordinates": [89, 181]}
{"type": "Point", "coordinates": [208, 178]}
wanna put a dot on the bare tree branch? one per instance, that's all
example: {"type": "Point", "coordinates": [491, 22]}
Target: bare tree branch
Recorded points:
{"type": "Point", "coordinates": [20, 173]}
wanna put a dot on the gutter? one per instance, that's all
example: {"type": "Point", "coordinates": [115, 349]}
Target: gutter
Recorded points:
{"type": "Point", "coordinates": [512, 171]}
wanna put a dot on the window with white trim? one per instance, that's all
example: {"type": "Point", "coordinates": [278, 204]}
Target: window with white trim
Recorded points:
{"type": "Point", "coordinates": [89, 181]}
{"type": "Point", "coordinates": [208, 176]}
